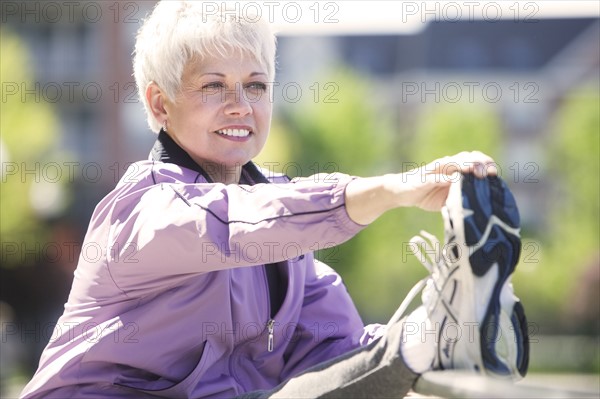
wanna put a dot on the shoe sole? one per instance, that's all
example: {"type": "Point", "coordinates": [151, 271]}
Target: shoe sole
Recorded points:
{"type": "Point", "coordinates": [487, 221]}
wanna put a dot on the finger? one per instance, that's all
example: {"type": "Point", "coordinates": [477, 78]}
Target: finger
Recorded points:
{"type": "Point", "coordinates": [478, 163]}
{"type": "Point", "coordinates": [475, 162]}
{"type": "Point", "coordinates": [491, 169]}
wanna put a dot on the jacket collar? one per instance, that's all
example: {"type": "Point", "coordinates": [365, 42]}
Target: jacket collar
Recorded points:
{"type": "Point", "coordinates": [165, 149]}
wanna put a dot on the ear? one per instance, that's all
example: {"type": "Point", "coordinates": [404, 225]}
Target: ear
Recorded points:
{"type": "Point", "coordinates": [156, 101]}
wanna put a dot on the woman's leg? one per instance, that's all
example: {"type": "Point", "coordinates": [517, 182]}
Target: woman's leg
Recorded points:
{"type": "Point", "coordinates": [375, 370]}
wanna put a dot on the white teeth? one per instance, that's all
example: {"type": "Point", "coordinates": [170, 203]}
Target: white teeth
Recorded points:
{"type": "Point", "coordinates": [234, 132]}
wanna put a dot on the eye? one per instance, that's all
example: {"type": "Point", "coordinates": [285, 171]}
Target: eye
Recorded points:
{"type": "Point", "coordinates": [212, 86]}
{"type": "Point", "coordinates": [260, 86]}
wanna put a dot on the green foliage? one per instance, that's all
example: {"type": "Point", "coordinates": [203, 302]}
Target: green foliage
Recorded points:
{"type": "Point", "coordinates": [575, 161]}
{"type": "Point", "coordinates": [566, 278]}
{"type": "Point", "coordinates": [340, 131]}
{"type": "Point", "coordinates": [28, 127]}
{"type": "Point", "coordinates": [448, 128]}
{"type": "Point", "coordinates": [28, 130]}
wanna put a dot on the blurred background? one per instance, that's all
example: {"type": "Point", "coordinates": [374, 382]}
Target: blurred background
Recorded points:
{"type": "Point", "coordinates": [365, 87]}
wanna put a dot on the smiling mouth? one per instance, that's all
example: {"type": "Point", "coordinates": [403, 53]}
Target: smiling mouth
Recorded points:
{"type": "Point", "coordinates": [234, 132]}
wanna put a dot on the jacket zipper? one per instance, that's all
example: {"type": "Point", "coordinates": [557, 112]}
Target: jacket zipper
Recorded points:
{"type": "Point", "coordinates": [271, 337]}
{"type": "Point", "coordinates": [271, 321]}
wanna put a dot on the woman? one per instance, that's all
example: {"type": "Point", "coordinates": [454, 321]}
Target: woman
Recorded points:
{"type": "Point", "coordinates": [207, 286]}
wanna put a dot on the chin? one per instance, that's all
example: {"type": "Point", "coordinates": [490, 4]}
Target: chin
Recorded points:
{"type": "Point", "coordinates": [232, 161]}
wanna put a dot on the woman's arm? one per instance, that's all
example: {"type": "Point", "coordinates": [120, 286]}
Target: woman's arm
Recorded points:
{"type": "Point", "coordinates": [425, 187]}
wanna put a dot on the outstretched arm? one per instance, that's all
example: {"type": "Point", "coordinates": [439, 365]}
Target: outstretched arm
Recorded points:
{"type": "Point", "coordinates": [425, 187]}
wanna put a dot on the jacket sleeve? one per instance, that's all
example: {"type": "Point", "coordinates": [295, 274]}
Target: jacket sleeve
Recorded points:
{"type": "Point", "coordinates": [174, 229]}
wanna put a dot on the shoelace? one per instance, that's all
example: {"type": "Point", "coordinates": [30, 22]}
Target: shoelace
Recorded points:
{"type": "Point", "coordinates": [429, 252]}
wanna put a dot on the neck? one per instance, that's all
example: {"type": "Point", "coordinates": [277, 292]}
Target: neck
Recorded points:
{"type": "Point", "coordinates": [226, 174]}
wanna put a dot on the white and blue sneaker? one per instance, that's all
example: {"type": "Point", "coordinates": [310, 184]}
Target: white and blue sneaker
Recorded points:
{"type": "Point", "coordinates": [480, 324]}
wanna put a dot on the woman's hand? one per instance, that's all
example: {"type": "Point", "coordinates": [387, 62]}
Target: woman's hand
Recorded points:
{"type": "Point", "coordinates": [425, 187]}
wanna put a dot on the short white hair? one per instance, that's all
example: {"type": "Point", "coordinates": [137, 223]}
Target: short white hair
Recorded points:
{"type": "Point", "coordinates": [178, 31]}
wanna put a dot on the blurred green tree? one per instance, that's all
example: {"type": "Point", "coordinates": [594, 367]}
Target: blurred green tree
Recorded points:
{"type": "Point", "coordinates": [447, 128]}
{"type": "Point", "coordinates": [28, 130]}
{"type": "Point", "coordinates": [562, 289]}
{"type": "Point", "coordinates": [337, 126]}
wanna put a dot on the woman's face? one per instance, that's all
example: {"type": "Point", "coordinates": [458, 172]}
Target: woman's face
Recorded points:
{"type": "Point", "coordinates": [222, 116]}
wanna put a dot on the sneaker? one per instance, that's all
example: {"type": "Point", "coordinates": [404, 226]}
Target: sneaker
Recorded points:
{"type": "Point", "coordinates": [468, 297]}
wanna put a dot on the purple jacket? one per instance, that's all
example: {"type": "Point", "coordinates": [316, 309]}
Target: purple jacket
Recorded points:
{"type": "Point", "coordinates": [170, 296]}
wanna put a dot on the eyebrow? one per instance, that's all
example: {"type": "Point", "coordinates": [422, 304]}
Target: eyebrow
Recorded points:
{"type": "Point", "coordinates": [223, 75]}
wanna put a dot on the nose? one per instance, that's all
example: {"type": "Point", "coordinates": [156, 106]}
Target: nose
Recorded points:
{"type": "Point", "coordinates": [236, 103]}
